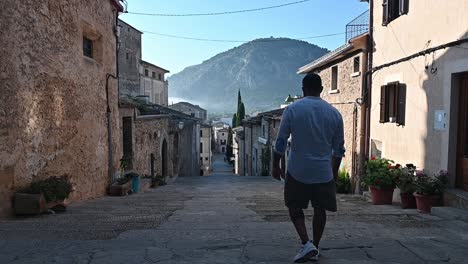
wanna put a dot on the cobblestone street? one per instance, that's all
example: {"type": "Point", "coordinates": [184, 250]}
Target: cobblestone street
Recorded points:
{"type": "Point", "coordinates": [225, 219]}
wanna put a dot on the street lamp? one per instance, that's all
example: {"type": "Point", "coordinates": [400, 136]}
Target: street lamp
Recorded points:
{"type": "Point", "coordinates": [181, 125]}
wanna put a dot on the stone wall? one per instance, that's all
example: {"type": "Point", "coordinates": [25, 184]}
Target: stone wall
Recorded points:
{"type": "Point", "coordinates": [349, 89]}
{"type": "Point", "coordinates": [150, 134]}
{"type": "Point", "coordinates": [53, 100]}
{"type": "Point", "coordinates": [129, 59]}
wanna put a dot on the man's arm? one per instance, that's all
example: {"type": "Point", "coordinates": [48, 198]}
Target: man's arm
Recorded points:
{"type": "Point", "coordinates": [338, 148]}
{"type": "Point", "coordinates": [281, 144]}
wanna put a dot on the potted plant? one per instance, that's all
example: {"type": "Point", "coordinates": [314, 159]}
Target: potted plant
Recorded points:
{"type": "Point", "coordinates": [381, 179]}
{"type": "Point", "coordinates": [429, 190]}
{"type": "Point", "coordinates": [159, 180]}
{"type": "Point", "coordinates": [406, 184]}
{"type": "Point", "coordinates": [343, 183]}
{"type": "Point", "coordinates": [53, 191]}
{"type": "Point", "coordinates": [122, 186]}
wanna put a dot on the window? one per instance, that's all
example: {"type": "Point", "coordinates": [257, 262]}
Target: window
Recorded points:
{"type": "Point", "coordinates": [393, 103]}
{"type": "Point", "coordinates": [356, 64]}
{"type": "Point", "coordinates": [146, 72]}
{"type": "Point", "coordinates": [153, 74]}
{"type": "Point", "coordinates": [334, 80]}
{"type": "Point", "coordinates": [87, 47]}
{"type": "Point", "coordinates": [201, 133]}
{"type": "Point", "coordinates": [128, 55]}
{"type": "Point", "coordinates": [159, 76]}
{"type": "Point", "coordinates": [392, 9]}
{"type": "Point", "coordinates": [222, 134]}
{"type": "Point", "coordinates": [263, 131]}
{"type": "Point", "coordinates": [201, 147]}
{"type": "Point", "coordinates": [206, 158]}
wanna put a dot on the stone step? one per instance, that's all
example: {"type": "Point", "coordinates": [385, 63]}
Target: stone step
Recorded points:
{"type": "Point", "coordinates": [450, 213]}
{"type": "Point", "coordinates": [456, 198]}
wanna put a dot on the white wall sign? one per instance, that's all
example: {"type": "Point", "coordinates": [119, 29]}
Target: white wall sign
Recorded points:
{"type": "Point", "coordinates": [440, 120]}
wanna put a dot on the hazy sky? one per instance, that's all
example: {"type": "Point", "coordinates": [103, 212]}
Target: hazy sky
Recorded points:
{"type": "Point", "coordinates": [313, 18]}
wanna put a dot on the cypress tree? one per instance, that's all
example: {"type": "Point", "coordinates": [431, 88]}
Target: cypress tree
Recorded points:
{"type": "Point", "coordinates": [241, 114]}
{"type": "Point", "coordinates": [234, 121]}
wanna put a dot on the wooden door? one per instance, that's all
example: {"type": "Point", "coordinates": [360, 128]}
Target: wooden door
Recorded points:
{"type": "Point", "coordinates": [462, 155]}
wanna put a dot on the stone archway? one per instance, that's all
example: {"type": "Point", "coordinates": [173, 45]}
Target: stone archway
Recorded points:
{"type": "Point", "coordinates": [164, 171]}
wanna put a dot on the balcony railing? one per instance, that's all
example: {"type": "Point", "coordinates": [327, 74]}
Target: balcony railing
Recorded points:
{"type": "Point", "coordinates": [358, 26]}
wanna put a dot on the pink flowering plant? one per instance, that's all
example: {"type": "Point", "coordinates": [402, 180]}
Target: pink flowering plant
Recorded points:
{"type": "Point", "coordinates": [431, 185]}
{"type": "Point", "coordinates": [382, 174]}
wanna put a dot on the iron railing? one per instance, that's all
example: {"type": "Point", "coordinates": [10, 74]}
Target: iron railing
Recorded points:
{"type": "Point", "coordinates": [358, 26]}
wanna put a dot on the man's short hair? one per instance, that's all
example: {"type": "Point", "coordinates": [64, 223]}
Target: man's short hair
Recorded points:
{"type": "Point", "coordinates": [312, 82]}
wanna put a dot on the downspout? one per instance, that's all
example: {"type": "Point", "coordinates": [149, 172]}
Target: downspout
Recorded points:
{"type": "Point", "coordinates": [368, 97]}
{"type": "Point", "coordinates": [363, 125]}
{"type": "Point", "coordinates": [110, 154]}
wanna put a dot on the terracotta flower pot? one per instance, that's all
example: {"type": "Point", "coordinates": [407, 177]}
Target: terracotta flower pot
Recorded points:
{"type": "Point", "coordinates": [381, 197]}
{"type": "Point", "coordinates": [408, 201]}
{"type": "Point", "coordinates": [426, 202]}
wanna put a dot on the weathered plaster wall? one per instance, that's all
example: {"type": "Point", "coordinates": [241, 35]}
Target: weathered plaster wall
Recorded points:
{"type": "Point", "coordinates": [53, 99]}
{"type": "Point", "coordinates": [418, 142]}
{"type": "Point", "coordinates": [155, 88]}
{"type": "Point", "coordinates": [205, 153]}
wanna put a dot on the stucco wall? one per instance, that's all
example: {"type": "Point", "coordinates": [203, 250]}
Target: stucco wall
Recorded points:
{"type": "Point", "coordinates": [344, 100]}
{"type": "Point", "coordinates": [156, 89]}
{"type": "Point", "coordinates": [205, 154]}
{"type": "Point", "coordinates": [53, 100]}
{"type": "Point", "coordinates": [438, 22]}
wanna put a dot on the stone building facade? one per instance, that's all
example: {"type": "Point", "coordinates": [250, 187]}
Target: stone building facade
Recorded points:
{"type": "Point", "coordinates": [221, 139]}
{"type": "Point", "coordinates": [153, 83]}
{"type": "Point", "coordinates": [139, 78]}
{"type": "Point", "coordinates": [260, 134]}
{"type": "Point", "coordinates": [238, 150]}
{"type": "Point", "coordinates": [205, 148]}
{"type": "Point", "coordinates": [159, 141]}
{"type": "Point", "coordinates": [343, 78]}
{"type": "Point", "coordinates": [129, 59]}
{"type": "Point", "coordinates": [58, 96]}
{"type": "Point", "coordinates": [190, 109]}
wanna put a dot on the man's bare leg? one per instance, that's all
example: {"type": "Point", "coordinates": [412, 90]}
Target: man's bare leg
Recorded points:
{"type": "Point", "coordinates": [298, 219]}
{"type": "Point", "coordinates": [318, 224]}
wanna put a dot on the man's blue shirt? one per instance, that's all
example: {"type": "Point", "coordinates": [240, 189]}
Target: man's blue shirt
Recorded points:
{"type": "Point", "coordinates": [316, 130]}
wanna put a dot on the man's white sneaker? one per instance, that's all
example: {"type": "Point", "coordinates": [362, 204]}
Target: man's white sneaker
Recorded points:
{"type": "Point", "coordinates": [306, 252]}
{"type": "Point", "coordinates": [316, 257]}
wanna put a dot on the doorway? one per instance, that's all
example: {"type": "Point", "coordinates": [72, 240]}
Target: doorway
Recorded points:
{"type": "Point", "coordinates": [127, 139]}
{"type": "Point", "coordinates": [462, 151]}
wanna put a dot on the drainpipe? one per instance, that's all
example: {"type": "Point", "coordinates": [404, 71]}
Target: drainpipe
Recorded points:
{"type": "Point", "coordinates": [368, 98]}
{"type": "Point", "coordinates": [110, 155]}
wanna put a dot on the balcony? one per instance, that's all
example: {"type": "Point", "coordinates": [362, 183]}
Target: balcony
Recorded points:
{"type": "Point", "coordinates": [357, 27]}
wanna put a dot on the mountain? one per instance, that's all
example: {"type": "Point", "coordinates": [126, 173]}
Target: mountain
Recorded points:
{"type": "Point", "coordinates": [264, 70]}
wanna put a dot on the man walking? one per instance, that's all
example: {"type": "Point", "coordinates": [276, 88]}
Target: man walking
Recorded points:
{"type": "Point", "coordinates": [317, 147]}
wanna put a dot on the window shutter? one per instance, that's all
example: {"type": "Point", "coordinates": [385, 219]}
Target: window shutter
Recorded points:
{"type": "Point", "coordinates": [385, 15]}
{"type": "Point", "coordinates": [401, 108]}
{"type": "Point", "coordinates": [404, 7]}
{"type": "Point", "coordinates": [383, 104]}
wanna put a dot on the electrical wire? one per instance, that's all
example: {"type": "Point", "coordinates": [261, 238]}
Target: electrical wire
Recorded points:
{"type": "Point", "coordinates": [238, 41]}
{"type": "Point", "coordinates": [218, 13]}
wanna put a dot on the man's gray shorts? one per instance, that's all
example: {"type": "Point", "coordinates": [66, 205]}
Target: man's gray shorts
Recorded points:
{"type": "Point", "coordinates": [320, 195]}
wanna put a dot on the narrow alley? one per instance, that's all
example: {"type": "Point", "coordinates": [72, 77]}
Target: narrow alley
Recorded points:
{"type": "Point", "coordinates": [225, 219]}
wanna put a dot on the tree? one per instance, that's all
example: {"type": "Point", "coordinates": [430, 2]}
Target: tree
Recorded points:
{"type": "Point", "coordinates": [234, 120]}
{"type": "Point", "coordinates": [241, 113]}
{"type": "Point", "coordinates": [229, 149]}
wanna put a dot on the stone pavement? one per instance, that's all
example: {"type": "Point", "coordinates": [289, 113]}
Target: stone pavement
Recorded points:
{"type": "Point", "coordinates": [220, 167]}
{"type": "Point", "coordinates": [225, 219]}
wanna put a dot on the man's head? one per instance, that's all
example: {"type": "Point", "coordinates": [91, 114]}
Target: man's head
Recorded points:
{"type": "Point", "coordinates": [312, 85]}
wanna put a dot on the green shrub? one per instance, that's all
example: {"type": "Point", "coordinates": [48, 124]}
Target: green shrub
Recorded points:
{"type": "Point", "coordinates": [53, 188]}
{"type": "Point", "coordinates": [343, 183]}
